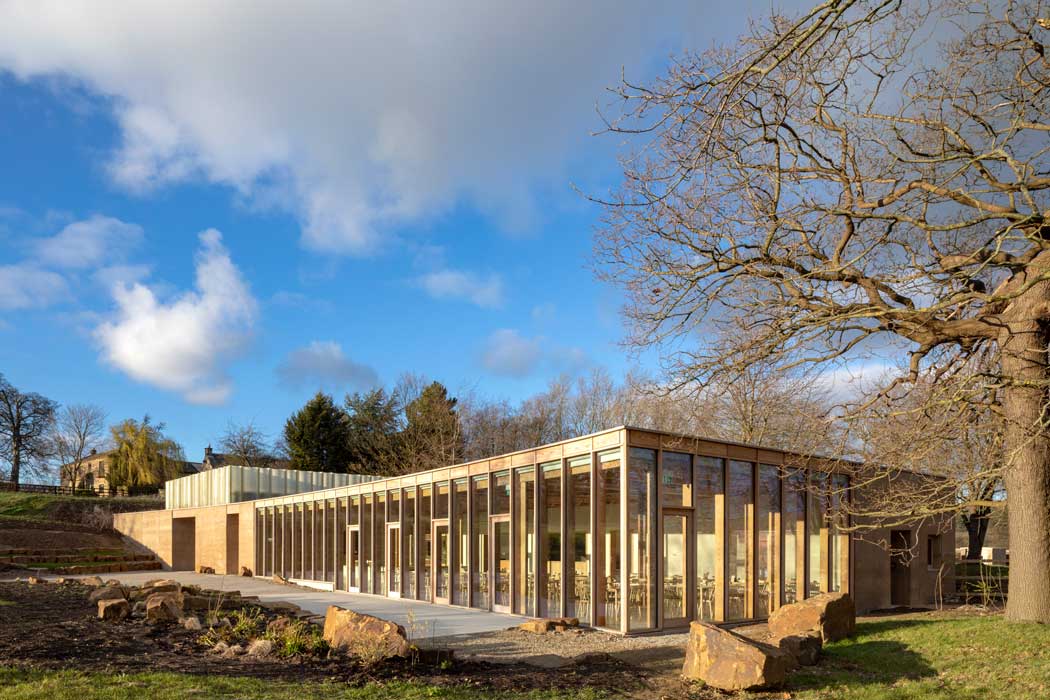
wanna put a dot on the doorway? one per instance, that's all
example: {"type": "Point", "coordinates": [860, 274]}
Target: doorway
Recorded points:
{"type": "Point", "coordinates": [500, 537]}
{"type": "Point", "coordinates": [442, 561]}
{"type": "Point", "coordinates": [900, 568]}
{"type": "Point", "coordinates": [353, 559]}
{"type": "Point", "coordinates": [184, 544]}
{"type": "Point", "coordinates": [393, 550]}
{"type": "Point", "coordinates": [677, 568]}
{"type": "Point", "coordinates": [233, 534]}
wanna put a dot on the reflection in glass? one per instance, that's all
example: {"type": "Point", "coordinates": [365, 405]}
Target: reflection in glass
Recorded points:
{"type": "Point", "coordinates": [479, 540]}
{"type": "Point", "coordinates": [708, 473]}
{"type": "Point", "coordinates": [675, 560]}
{"type": "Point", "coordinates": [677, 480]}
{"type": "Point", "coordinates": [641, 508]}
{"type": "Point", "coordinates": [441, 501]}
{"type": "Point", "coordinates": [501, 544]}
{"type": "Point", "coordinates": [426, 544]}
{"type": "Point", "coordinates": [794, 525]}
{"type": "Point", "coordinates": [837, 539]}
{"type": "Point", "coordinates": [444, 557]}
{"type": "Point", "coordinates": [815, 528]}
{"type": "Point", "coordinates": [766, 561]}
{"type": "Point", "coordinates": [461, 535]}
{"type": "Point", "coordinates": [550, 546]}
{"type": "Point", "coordinates": [740, 500]}
{"type": "Point", "coordinates": [379, 543]}
{"type": "Point", "coordinates": [367, 568]}
{"type": "Point", "coordinates": [580, 527]}
{"type": "Point", "coordinates": [501, 493]}
{"type": "Point", "coordinates": [610, 606]}
{"type": "Point", "coordinates": [340, 543]}
{"type": "Point", "coordinates": [409, 536]}
{"type": "Point", "coordinates": [525, 527]}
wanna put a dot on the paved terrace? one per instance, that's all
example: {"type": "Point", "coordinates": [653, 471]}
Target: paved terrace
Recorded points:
{"type": "Point", "coordinates": [421, 620]}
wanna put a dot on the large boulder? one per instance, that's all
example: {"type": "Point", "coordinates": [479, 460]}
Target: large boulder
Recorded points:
{"type": "Point", "coordinates": [163, 607]}
{"type": "Point", "coordinates": [245, 571]}
{"type": "Point", "coordinates": [803, 648]}
{"type": "Point", "coordinates": [91, 581]}
{"type": "Point", "coordinates": [725, 660]}
{"type": "Point", "coordinates": [366, 637]}
{"type": "Point", "coordinates": [832, 615]}
{"type": "Point", "coordinates": [113, 610]}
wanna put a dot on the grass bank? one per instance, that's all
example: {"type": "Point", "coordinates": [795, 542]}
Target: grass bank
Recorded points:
{"type": "Point", "coordinates": [94, 511]}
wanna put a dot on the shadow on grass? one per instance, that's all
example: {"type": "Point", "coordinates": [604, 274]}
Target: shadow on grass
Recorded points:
{"type": "Point", "coordinates": [862, 663]}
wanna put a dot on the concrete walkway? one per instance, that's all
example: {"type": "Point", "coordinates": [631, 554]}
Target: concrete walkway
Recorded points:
{"type": "Point", "coordinates": [421, 620]}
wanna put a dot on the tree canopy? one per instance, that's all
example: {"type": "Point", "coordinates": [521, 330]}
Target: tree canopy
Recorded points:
{"type": "Point", "coordinates": [142, 454]}
{"type": "Point", "coordinates": [316, 436]}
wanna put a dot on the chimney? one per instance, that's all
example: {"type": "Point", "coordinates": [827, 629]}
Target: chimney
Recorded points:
{"type": "Point", "coordinates": [207, 451]}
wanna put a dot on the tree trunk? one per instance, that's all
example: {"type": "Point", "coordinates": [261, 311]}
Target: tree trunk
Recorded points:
{"type": "Point", "coordinates": [976, 530]}
{"type": "Point", "coordinates": [16, 461]}
{"type": "Point", "coordinates": [1023, 348]}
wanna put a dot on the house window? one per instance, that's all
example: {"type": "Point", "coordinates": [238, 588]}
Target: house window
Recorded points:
{"type": "Point", "coordinates": [933, 545]}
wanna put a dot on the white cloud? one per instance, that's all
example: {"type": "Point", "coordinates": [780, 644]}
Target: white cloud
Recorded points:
{"type": "Point", "coordinates": [506, 352]}
{"type": "Point", "coordinates": [89, 243]}
{"type": "Point", "coordinates": [325, 365]}
{"type": "Point", "coordinates": [28, 286]}
{"type": "Point", "coordinates": [183, 345]}
{"type": "Point", "coordinates": [486, 292]}
{"type": "Point", "coordinates": [356, 117]}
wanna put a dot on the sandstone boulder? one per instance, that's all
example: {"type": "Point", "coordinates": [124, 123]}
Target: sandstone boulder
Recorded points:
{"type": "Point", "coordinates": [91, 581]}
{"type": "Point", "coordinates": [245, 571]}
{"type": "Point", "coordinates": [832, 615]}
{"type": "Point", "coordinates": [364, 636]}
{"type": "Point", "coordinates": [205, 570]}
{"type": "Point", "coordinates": [113, 610]}
{"type": "Point", "coordinates": [112, 582]}
{"type": "Point", "coordinates": [197, 602]}
{"type": "Point", "coordinates": [725, 660]}
{"type": "Point", "coordinates": [277, 578]}
{"type": "Point", "coordinates": [191, 623]}
{"type": "Point", "coordinates": [34, 581]}
{"type": "Point", "coordinates": [163, 607]}
{"type": "Point", "coordinates": [106, 593]}
{"type": "Point", "coordinates": [536, 626]}
{"type": "Point", "coordinates": [278, 625]}
{"type": "Point", "coordinates": [233, 651]}
{"type": "Point", "coordinates": [220, 648]}
{"type": "Point", "coordinates": [548, 624]}
{"type": "Point", "coordinates": [803, 648]}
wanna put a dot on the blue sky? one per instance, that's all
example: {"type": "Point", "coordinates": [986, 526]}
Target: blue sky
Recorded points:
{"type": "Point", "coordinates": [206, 216]}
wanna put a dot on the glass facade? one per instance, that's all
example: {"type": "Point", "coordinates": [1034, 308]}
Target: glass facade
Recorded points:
{"type": "Point", "coordinates": [647, 542]}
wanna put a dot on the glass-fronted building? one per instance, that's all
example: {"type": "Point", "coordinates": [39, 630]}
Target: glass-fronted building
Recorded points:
{"type": "Point", "coordinates": [627, 530]}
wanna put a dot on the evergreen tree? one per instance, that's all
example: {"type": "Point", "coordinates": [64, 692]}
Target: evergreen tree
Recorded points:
{"type": "Point", "coordinates": [432, 436]}
{"type": "Point", "coordinates": [374, 443]}
{"type": "Point", "coordinates": [317, 436]}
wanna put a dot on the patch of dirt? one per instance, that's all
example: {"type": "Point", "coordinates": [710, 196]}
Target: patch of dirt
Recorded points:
{"type": "Point", "coordinates": [55, 626]}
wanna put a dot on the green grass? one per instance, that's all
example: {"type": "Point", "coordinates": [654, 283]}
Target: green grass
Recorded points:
{"type": "Point", "coordinates": [5, 602]}
{"type": "Point", "coordinates": [41, 506]}
{"type": "Point", "coordinates": [931, 657]}
{"type": "Point", "coordinates": [78, 685]}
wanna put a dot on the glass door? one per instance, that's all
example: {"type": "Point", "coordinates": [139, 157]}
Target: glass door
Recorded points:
{"type": "Point", "coordinates": [393, 550]}
{"type": "Point", "coordinates": [353, 550]}
{"type": "Point", "coordinates": [677, 568]}
{"type": "Point", "coordinates": [442, 561]}
{"type": "Point", "coordinates": [501, 563]}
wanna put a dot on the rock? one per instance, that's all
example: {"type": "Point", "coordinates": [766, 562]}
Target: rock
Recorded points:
{"type": "Point", "coordinates": [62, 581]}
{"type": "Point", "coordinates": [162, 586]}
{"type": "Point", "coordinates": [278, 625]}
{"type": "Point", "coordinates": [139, 608]}
{"type": "Point", "coordinates": [205, 570]}
{"type": "Point", "coordinates": [91, 581]}
{"type": "Point", "coordinates": [833, 615]}
{"type": "Point", "coordinates": [220, 648]}
{"type": "Point", "coordinates": [277, 578]}
{"type": "Point", "coordinates": [366, 637]}
{"type": "Point", "coordinates": [106, 593]}
{"type": "Point", "coordinates": [556, 624]}
{"type": "Point", "coordinates": [113, 610]}
{"type": "Point", "coordinates": [191, 623]}
{"type": "Point", "coordinates": [245, 571]}
{"type": "Point", "coordinates": [281, 606]}
{"type": "Point", "coordinates": [112, 582]}
{"type": "Point", "coordinates": [231, 652]}
{"type": "Point", "coordinates": [197, 602]}
{"type": "Point", "coordinates": [728, 661]}
{"type": "Point", "coordinates": [804, 648]}
{"type": "Point", "coordinates": [260, 647]}
{"type": "Point", "coordinates": [163, 607]}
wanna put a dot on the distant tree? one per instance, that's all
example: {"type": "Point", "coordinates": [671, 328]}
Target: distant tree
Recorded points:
{"type": "Point", "coordinates": [142, 454]}
{"type": "Point", "coordinates": [78, 431]}
{"type": "Point", "coordinates": [317, 436]}
{"type": "Point", "coordinates": [249, 445]}
{"type": "Point", "coordinates": [373, 436]}
{"type": "Point", "coordinates": [432, 437]}
{"type": "Point", "coordinates": [26, 421]}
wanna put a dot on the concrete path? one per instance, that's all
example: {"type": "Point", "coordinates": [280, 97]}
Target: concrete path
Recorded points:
{"type": "Point", "coordinates": [421, 620]}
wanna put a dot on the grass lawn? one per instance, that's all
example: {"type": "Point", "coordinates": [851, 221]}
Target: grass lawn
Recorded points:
{"type": "Point", "coordinates": [934, 656]}
{"type": "Point", "coordinates": [42, 506]}
{"type": "Point", "coordinates": [73, 685]}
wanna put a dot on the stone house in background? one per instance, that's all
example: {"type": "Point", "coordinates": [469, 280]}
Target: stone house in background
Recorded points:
{"type": "Point", "coordinates": [93, 474]}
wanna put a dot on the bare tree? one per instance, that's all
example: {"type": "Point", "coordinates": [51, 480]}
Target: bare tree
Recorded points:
{"type": "Point", "coordinates": [822, 186]}
{"type": "Point", "coordinates": [248, 444]}
{"type": "Point", "coordinates": [25, 424]}
{"type": "Point", "coordinates": [78, 431]}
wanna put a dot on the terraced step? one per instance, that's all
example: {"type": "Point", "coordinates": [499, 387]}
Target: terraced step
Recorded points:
{"type": "Point", "coordinates": [78, 560]}
{"type": "Point", "coordinates": [98, 568]}
{"type": "Point", "coordinates": [73, 558]}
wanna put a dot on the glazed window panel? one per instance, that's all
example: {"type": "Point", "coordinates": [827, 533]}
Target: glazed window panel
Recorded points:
{"type": "Point", "coordinates": [409, 538]}
{"type": "Point", "coordinates": [641, 514]}
{"type": "Point", "coordinates": [268, 546]}
{"type": "Point", "coordinates": [441, 501]}
{"type": "Point", "coordinates": [379, 544]}
{"type": "Point", "coordinates": [480, 541]}
{"type": "Point", "coordinates": [299, 542]}
{"type": "Point", "coordinates": [838, 537]}
{"type": "Point", "coordinates": [341, 562]}
{"type": "Point", "coordinates": [815, 531]}
{"type": "Point", "coordinates": [525, 540]}
{"type": "Point", "coordinates": [329, 541]}
{"type": "Point", "coordinates": [550, 546]}
{"type": "Point", "coordinates": [739, 507]}
{"type": "Point", "coordinates": [368, 565]}
{"type": "Point", "coordinates": [794, 526]}
{"type": "Point", "coordinates": [709, 479]}
{"type": "Point", "coordinates": [278, 539]}
{"type": "Point", "coordinates": [610, 605]}
{"type": "Point", "coordinates": [260, 541]}
{"type": "Point", "coordinates": [501, 493]}
{"type": "Point", "coordinates": [426, 544]}
{"type": "Point", "coordinates": [676, 478]}
{"type": "Point", "coordinates": [580, 526]}
{"type": "Point", "coordinates": [289, 542]}
{"type": "Point", "coordinates": [768, 555]}
{"type": "Point", "coordinates": [461, 536]}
